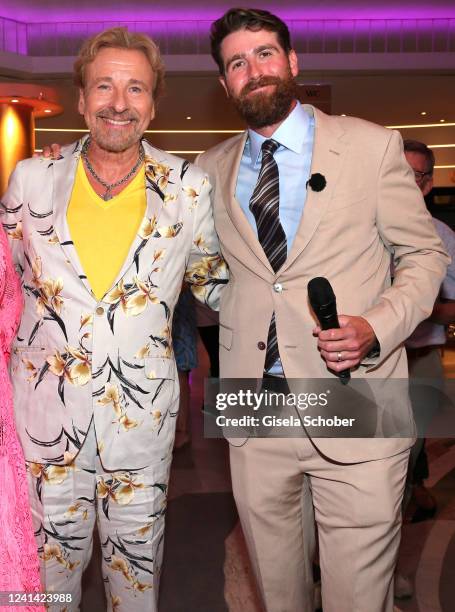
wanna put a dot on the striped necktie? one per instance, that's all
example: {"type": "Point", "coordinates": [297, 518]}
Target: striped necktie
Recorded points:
{"type": "Point", "coordinates": [265, 206]}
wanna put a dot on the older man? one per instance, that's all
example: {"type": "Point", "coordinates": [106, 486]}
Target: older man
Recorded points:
{"type": "Point", "coordinates": [423, 350]}
{"type": "Point", "coordinates": [299, 195]}
{"type": "Point", "coordinates": [103, 236]}
{"type": "Point", "coordinates": [424, 345]}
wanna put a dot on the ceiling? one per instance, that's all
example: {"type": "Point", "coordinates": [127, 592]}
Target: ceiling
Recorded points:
{"type": "Point", "coordinates": [136, 10]}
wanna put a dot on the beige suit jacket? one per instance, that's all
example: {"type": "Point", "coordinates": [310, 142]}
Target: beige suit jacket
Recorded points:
{"type": "Point", "coordinates": [370, 208]}
{"type": "Point", "coordinates": [76, 358]}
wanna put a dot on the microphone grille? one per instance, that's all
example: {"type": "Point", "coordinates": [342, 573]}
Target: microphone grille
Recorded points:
{"type": "Point", "coordinates": [320, 291]}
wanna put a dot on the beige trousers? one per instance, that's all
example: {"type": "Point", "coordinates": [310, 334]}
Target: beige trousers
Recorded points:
{"type": "Point", "coordinates": [357, 509]}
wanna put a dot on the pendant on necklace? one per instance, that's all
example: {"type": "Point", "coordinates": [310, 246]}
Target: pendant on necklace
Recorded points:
{"type": "Point", "coordinates": [107, 196]}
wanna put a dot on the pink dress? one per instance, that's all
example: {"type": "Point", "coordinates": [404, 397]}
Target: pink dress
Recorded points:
{"type": "Point", "coordinates": [19, 566]}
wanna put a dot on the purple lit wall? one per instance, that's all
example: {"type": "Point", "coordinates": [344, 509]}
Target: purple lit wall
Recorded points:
{"type": "Point", "coordinates": [13, 36]}
{"type": "Point", "coordinates": [59, 27]}
{"type": "Point", "coordinates": [330, 36]}
{"type": "Point", "coordinates": [30, 11]}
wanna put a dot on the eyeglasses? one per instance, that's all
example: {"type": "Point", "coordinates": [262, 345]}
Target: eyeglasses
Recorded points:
{"type": "Point", "coordinates": [419, 176]}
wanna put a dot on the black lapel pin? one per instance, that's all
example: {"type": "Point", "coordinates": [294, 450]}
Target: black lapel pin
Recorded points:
{"type": "Point", "coordinates": [317, 182]}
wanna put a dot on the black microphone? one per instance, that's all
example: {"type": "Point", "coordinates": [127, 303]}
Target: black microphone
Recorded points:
{"type": "Point", "coordinates": [324, 304]}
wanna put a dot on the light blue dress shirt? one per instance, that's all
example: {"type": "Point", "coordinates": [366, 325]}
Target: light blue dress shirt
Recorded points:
{"type": "Point", "coordinates": [293, 157]}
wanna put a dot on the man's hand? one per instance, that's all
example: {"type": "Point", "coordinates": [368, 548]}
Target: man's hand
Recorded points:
{"type": "Point", "coordinates": [345, 348]}
{"type": "Point", "coordinates": [53, 151]}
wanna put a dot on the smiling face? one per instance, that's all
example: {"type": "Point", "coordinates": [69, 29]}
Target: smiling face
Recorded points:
{"type": "Point", "coordinates": [259, 76]}
{"type": "Point", "coordinates": [117, 100]}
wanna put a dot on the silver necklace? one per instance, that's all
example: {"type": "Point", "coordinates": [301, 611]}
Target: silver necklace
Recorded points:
{"type": "Point", "coordinates": [109, 187]}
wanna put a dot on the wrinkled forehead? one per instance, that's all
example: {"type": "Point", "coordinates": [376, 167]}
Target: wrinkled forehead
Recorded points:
{"type": "Point", "coordinates": [115, 63]}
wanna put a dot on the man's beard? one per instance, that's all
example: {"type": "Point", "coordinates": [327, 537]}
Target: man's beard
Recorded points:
{"type": "Point", "coordinates": [264, 108]}
{"type": "Point", "coordinates": [116, 140]}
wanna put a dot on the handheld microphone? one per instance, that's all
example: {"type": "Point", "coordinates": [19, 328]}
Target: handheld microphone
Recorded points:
{"type": "Point", "coordinates": [323, 302]}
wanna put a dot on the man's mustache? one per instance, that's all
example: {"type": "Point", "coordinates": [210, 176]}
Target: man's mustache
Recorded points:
{"type": "Point", "coordinates": [257, 83]}
{"type": "Point", "coordinates": [110, 113]}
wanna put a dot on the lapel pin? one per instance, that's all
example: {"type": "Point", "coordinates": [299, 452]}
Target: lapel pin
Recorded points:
{"type": "Point", "coordinates": [317, 182]}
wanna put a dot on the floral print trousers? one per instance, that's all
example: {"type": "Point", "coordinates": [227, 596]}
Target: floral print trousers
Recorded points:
{"type": "Point", "coordinates": [129, 507]}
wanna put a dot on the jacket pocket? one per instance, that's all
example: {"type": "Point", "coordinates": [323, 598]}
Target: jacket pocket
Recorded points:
{"type": "Point", "coordinates": [159, 367]}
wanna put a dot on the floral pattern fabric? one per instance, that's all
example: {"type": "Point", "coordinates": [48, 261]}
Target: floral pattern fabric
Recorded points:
{"type": "Point", "coordinates": [95, 382]}
{"type": "Point", "coordinates": [129, 507]}
{"type": "Point", "coordinates": [74, 357]}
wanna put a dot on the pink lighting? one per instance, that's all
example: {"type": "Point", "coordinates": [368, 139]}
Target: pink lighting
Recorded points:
{"type": "Point", "coordinates": [328, 27]}
{"type": "Point", "coordinates": [203, 10]}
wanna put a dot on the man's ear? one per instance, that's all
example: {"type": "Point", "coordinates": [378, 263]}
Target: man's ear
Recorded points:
{"type": "Point", "coordinates": [293, 62]}
{"type": "Point", "coordinates": [222, 80]}
{"type": "Point", "coordinates": [81, 103]}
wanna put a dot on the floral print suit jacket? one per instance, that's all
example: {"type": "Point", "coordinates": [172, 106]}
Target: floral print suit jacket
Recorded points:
{"type": "Point", "coordinates": [76, 358]}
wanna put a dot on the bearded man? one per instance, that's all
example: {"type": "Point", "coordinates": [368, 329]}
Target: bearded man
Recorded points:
{"type": "Point", "coordinates": [299, 195]}
{"type": "Point", "coordinates": [103, 235]}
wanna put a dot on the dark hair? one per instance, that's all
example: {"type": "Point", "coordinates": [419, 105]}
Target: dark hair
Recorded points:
{"type": "Point", "coordinates": [246, 19]}
{"type": "Point", "coordinates": [415, 146]}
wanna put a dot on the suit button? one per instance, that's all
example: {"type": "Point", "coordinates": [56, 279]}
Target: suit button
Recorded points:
{"type": "Point", "coordinates": [100, 310]}
{"type": "Point", "coordinates": [261, 346]}
{"type": "Point", "coordinates": [278, 287]}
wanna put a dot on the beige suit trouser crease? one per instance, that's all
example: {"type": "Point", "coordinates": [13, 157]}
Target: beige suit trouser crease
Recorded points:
{"type": "Point", "coordinates": [129, 508]}
{"type": "Point", "coordinates": [357, 509]}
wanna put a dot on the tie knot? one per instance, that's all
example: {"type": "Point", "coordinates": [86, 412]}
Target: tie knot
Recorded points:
{"type": "Point", "coordinates": [269, 146]}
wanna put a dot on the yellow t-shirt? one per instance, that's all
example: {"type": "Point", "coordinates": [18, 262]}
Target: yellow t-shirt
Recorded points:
{"type": "Point", "coordinates": [103, 232]}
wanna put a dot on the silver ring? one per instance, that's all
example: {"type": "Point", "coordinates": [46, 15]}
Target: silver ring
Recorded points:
{"type": "Point", "coordinates": [339, 356]}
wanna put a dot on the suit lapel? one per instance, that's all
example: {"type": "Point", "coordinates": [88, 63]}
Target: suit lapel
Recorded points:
{"type": "Point", "coordinates": [327, 159]}
{"type": "Point", "coordinates": [64, 172]}
{"type": "Point", "coordinates": [228, 170]}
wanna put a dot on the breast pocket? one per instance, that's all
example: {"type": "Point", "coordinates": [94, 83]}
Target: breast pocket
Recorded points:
{"type": "Point", "coordinates": [347, 199]}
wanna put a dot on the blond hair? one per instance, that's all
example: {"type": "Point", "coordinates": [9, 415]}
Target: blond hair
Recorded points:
{"type": "Point", "coordinates": [120, 38]}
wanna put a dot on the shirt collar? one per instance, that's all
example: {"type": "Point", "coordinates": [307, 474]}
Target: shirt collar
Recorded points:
{"type": "Point", "coordinates": [290, 134]}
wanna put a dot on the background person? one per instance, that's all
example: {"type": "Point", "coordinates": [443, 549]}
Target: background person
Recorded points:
{"type": "Point", "coordinates": [184, 341]}
{"type": "Point", "coordinates": [423, 349]}
{"type": "Point", "coordinates": [207, 321]}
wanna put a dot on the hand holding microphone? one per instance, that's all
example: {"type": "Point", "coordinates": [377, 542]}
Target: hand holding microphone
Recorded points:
{"type": "Point", "coordinates": [343, 341]}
